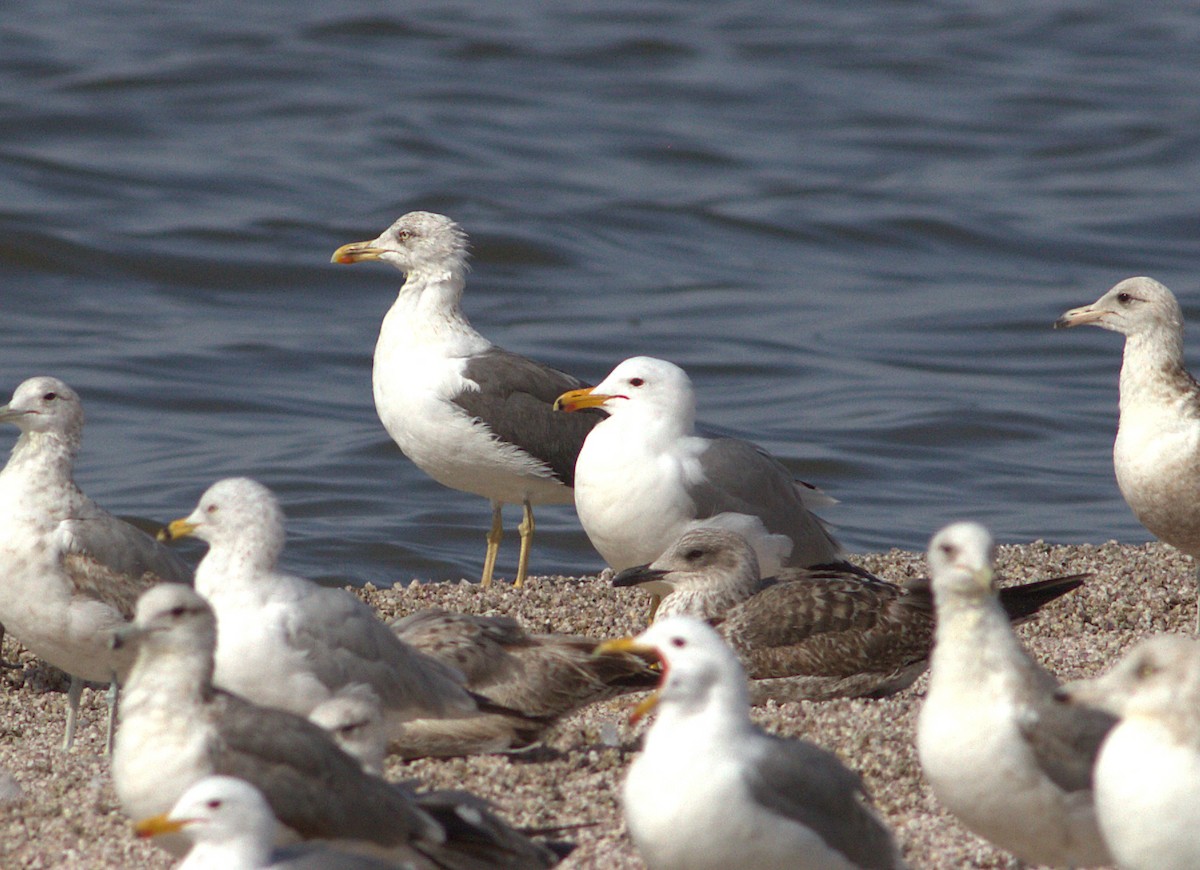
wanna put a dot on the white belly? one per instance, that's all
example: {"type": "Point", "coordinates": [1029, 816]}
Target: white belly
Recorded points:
{"type": "Point", "coordinates": [1148, 799]}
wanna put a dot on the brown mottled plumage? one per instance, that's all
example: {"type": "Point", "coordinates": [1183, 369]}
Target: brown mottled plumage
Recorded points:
{"type": "Point", "coordinates": [541, 676]}
{"type": "Point", "coordinates": [810, 634]}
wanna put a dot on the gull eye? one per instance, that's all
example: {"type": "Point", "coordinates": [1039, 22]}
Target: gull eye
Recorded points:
{"type": "Point", "coordinates": [1146, 670]}
{"type": "Point", "coordinates": [177, 611]}
{"type": "Point", "coordinates": [403, 235]}
{"type": "Point", "coordinates": [1124, 298]}
{"type": "Point", "coordinates": [211, 509]}
{"type": "Point", "coordinates": [694, 554]}
{"type": "Point", "coordinates": [636, 382]}
{"type": "Point", "coordinates": [947, 549]}
{"type": "Point", "coordinates": [678, 642]}
{"type": "Point", "coordinates": [49, 397]}
{"type": "Point", "coordinates": [214, 804]}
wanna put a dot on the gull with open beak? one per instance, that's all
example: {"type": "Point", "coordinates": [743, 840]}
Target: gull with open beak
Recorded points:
{"type": "Point", "coordinates": [712, 790]}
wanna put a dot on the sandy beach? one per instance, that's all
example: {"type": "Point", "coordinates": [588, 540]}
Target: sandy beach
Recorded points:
{"type": "Point", "coordinates": [59, 811]}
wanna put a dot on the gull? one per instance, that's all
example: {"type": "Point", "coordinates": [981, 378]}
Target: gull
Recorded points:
{"type": "Point", "coordinates": [354, 720]}
{"type": "Point", "coordinates": [1148, 772]}
{"type": "Point", "coordinates": [287, 642]}
{"type": "Point", "coordinates": [70, 572]}
{"type": "Point", "coordinates": [1156, 454]}
{"type": "Point", "coordinates": [471, 415]}
{"type": "Point", "coordinates": [644, 476]}
{"type": "Point", "coordinates": [176, 728]}
{"type": "Point", "coordinates": [541, 676]}
{"type": "Point", "coordinates": [1012, 763]}
{"type": "Point", "coordinates": [712, 790]}
{"type": "Point", "coordinates": [810, 634]}
{"type": "Point", "coordinates": [231, 827]}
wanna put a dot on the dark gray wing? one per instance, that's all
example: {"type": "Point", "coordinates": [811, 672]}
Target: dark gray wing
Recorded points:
{"type": "Point", "coordinates": [1064, 739]}
{"type": "Point", "coordinates": [740, 477]}
{"type": "Point", "coordinates": [345, 642]}
{"type": "Point", "coordinates": [810, 785]}
{"type": "Point", "coordinates": [311, 785]}
{"type": "Point", "coordinates": [478, 839]}
{"type": "Point", "coordinates": [515, 400]}
{"type": "Point", "coordinates": [303, 856]}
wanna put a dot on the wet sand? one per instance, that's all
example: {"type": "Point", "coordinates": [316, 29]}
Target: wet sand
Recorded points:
{"type": "Point", "coordinates": [67, 815]}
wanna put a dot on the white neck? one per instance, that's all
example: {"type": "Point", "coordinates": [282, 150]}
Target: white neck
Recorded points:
{"type": "Point", "coordinates": [427, 312]}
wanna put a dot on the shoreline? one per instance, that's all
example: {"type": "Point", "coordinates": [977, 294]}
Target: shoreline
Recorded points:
{"type": "Point", "coordinates": [68, 816]}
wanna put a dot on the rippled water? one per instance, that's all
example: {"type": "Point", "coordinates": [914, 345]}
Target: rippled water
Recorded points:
{"type": "Point", "coordinates": [853, 224]}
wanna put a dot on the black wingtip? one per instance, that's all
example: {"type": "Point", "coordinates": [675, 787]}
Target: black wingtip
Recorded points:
{"type": "Point", "coordinates": [1024, 601]}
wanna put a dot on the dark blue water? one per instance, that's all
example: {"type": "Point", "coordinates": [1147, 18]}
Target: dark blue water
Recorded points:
{"type": "Point", "coordinates": [853, 224]}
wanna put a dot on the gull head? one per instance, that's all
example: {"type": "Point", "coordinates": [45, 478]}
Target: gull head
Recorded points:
{"type": "Point", "coordinates": [641, 385]}
{"type": "Point", "coordinates": [235, 512]}
{"type": "Point", "coordinates": [45, 405]}
{"type": "Point", "coordinates": [960, 561]}
{"type": "Point", "coordinates": [704, 559]}
{"type": "Point", "coordinates": [222, 811]}
{"type": "Point", "coordinates": [170, 617]}
{"type": "Point", "coordinates": [699, 671]}
{"type": "Point", "coordinates": [419, 242]}
{"type": "Point", "coordinates": [1135, 306]}
{"type": "Point", "coordinates": [354, 719]}
{"type": "Point", "coordinates": [1158, 679]}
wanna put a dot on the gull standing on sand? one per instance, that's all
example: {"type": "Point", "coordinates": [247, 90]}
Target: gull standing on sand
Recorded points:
{"type": "Point", "coordinates": [1148, 772]}
{"type": "Point", "coordinates": [711, 789]}
{"type": "Point", "coordinates": [644, 476]}
{"type": "Point", "coordinates": [176, 728]}
{"type": "Point", "coordinates": [231, 827]}
{"type": "Point", "coordinates": [810, 634]}
{"type": "Point", "coordinates": [469, 414]}
{"type": "Point", "coordinates": [1156, 454]}
{"type": "Point", "coordinates": [1011, 762]}
{"type": "Point", "coordinates": [287, 642]}
{"type": "Point", "coordinates": [70, 572]}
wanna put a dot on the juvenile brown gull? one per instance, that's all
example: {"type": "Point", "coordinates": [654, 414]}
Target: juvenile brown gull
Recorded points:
{"type": "Point", "coordinates": [644, 476]}
{"type": "Point", "coordinates": [1148, 772]}
{"type": "Point", "coordinates": [469, 414]}
{"type": "Point", "coordinates": [231, 827]}
{"type": "Point", "coordinates": [541, 676]}
{"type": "Point", "coordinates": [712, 790]}
{"type": "Point", "coordinates": [1156, 454]}
{"type": "Point", "coordinates": [810, 634]}
{"type": "Point", "coordinates": [176, 728]}
{"type": "Point", "coordinates": [1012, 763]}
{"type": "Point", "coordinates": [287, 642]}
{"type": "Point", "coordinates": [70, 572]}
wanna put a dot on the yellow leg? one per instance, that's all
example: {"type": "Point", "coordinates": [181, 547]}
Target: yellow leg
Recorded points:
{"type": "Point", "coordinates": [493, 545]}
{"type": "Point", "coordinates": [526, 529]}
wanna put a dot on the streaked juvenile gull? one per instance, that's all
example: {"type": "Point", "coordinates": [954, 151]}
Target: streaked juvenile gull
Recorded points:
{"type": "Point", "coordinates": [1156, 454]}
{"type": "Point", "coordinates": [644, 476]}
{"type": "Point", "coordinates": [1012, 763]}
{"type": "Point", "coordinates": [469, 414]}
{"type": "Point", "coordinates": [712, 790]}
{"type": "Point", "coordinates": [70, 572]}
{"type": "Point", "coordinates": [542, 676]}
{"type": "Point", "coordinates": [176, 728]}
{"type": "Point", "coordinates": [355, 721]}
{"type": "Point", "coordinates": [230, 827]}
{"type": "Point", "coordinates": [810, 634]}
{"type": "Point", "coordinates": [1148, 772]}
{"type": "Point", "coordinates": [287, 642]}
